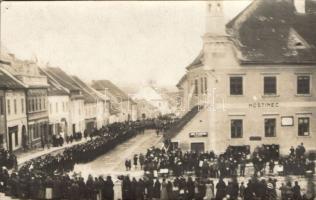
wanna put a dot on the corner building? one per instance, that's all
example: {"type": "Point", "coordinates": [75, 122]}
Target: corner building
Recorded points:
{"type": "Point", "coordinates": [255, 79]}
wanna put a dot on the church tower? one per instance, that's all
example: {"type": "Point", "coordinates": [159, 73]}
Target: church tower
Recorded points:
{"type": "Point", "coordinates": [215, 23]}
{"type": "Point", "coordinates": [216, 45]}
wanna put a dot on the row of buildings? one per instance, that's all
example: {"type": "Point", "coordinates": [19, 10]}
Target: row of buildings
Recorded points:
{"type": "Point", "coordinates": [254, 77]}
{"type": "Point", "coordinates": [38, 102]}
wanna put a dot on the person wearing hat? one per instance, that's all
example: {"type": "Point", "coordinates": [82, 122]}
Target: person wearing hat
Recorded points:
{"type": "Point", "coordinates": [270, 192]}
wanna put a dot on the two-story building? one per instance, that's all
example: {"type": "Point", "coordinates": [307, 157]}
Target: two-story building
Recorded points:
{"type": "Point", "coordinates": [27, 71]}
{"type": "Point", "coordinates": [76, 101]}
{"type": "Point", "coordinates": [96, 105]}
{"type": "Point", "coordinates": [12, 112]}
{"type": "Point", "coordinates": [58, 107]}
{"type": "Point", "coordinates": [125, 109]}
{"type": "Point", "coordinates": [255, 77]}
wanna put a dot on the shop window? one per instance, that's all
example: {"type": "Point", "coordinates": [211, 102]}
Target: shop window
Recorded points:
{"type": "Point", "coordinates": [303, 85]}
{"type": "Point", "coordinates": [36, 131]}
{"type": "Point", "coordinates": [270, 85]}
{"type": "Point", "coordinates": [270, 127]}
{"type": "Point", "coordinates": [236, 86]}
{"type": "Point", "coordinates": [303, 126]}
{"type": "Point", "coordinates": [236, 128]}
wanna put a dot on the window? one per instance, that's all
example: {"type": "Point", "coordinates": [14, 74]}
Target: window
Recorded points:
{"type": "Point", "coordinates": [36, 105]}
{"type": "Point", "coordinates": [236, 87]}
{"type": "Point", "coordinates": [16, 138]}
{"type": "Point", "coordinates": [236, 128]}
{"type": "Point", "coordinates": [9, 107]}
{"type": "Point", "coordinates": [270, 85]}
{"type": "Point", "coordinates": [40, 104]}
{"type": "Point", "coordinates": [1, 107]}
{"type": "Point", "coordinates": [36, 131]}
{"type": "Point", "coordinates": [56, 107]}
{"type": "Point", "coordinates": [22, 105]}
{"type": "Point", "coordinates": [303, 126]}
{"type": "Point", "coordinates": [202, 85]}
{"type": "Point", "coordinates": [14, 104]}
{"type": "Point", "coordinates": [205, 85]}
{"type": "Point", "coordinates": [303, 85]}
{"type": "Point", "coordinates": [44, 103]}
{"type": "Point", "coordinates": [270, 127]}
{"type": "Point", "coordinates": [33, 105]}
{"type": "Point", "coordinates": [196, 87]}
{"type": "Point", "coordinates": [50, 108]}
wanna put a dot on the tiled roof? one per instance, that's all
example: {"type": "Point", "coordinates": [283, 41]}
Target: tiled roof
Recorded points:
{"type": "Point", "coordinates": [197, 62]}
{"type": "Point", "coordinates": [263, 33]}
{"type": "Point", "coordinates": [54, 89]}
{"type": "Point", "coordinates": [87, 93]}
{"type": "Point", "coordinates": [113, 89]}
{"type": "Point", "coordinates": [64, 79]}
{"type": "Point", "coordinates": [7, 81]}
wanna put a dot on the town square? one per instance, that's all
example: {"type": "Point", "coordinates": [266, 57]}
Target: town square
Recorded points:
{"type": "Point", "coordinates": [150, 100]}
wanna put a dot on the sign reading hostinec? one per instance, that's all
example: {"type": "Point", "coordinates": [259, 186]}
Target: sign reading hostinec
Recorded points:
{"type": "Point", "coordinates": [264, 105]}
{"type": "Point", "coordinates": [287, 121]}
{"type": "Point", "coordinates": [198, 134]}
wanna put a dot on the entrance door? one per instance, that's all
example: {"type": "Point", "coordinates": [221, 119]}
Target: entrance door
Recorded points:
{"type": "Point", "coordinates": [73, 128]}
{"type": "Point", "coordinates": [13, 131]}
{"type": "Point", "coordinates": [197, 147]}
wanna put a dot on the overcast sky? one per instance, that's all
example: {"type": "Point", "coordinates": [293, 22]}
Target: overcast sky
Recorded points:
{"type": "Point", "coordinates": [126, 42]}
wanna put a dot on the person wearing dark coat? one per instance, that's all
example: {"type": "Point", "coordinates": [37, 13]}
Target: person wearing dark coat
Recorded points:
{"type": "Point", "coordinates": [221, 189]}
{"type": "Point", "coordinates": [191, 187]}
{"type": "Point", "coordinates": [126, 188]}
{"type": "Point", "coordinates": [140, 190]}
{"type": "Point", "coordinates": [133, 189]}
{"type": "Point", "coordinates": [74, 191]}
{"type": "Point", "coordinates": [249, 194]}
{"type": "Point", "coordinates": [297, 191]}
{"type": "Point", "coordinates": [108, 189]}
{"type": "Point", "coordinates": [156, 190]}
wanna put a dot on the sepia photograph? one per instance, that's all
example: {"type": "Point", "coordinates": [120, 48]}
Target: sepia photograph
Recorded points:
{"type": "Point", "coordinates": [158, 100]}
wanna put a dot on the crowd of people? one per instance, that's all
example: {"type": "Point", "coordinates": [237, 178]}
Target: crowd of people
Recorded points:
{"type": "Point", "coordinates": [46, 177]}
{"type": "Point", "coordinates": [200, 188]}
{"type": "Point", "coordinates": [7, 159]}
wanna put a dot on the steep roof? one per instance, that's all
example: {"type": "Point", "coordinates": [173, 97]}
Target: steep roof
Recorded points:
{"type": "Point", "coordinates": [54, 89]}
{"type": "Point", "coordinates": [183, 78]}
{"type": "Point", "coordinates": [113, 89]}
{"type": "Point", "coordinates": [88, 96]}
{"type": "Point", "coordinates": [8, 81]}
{"type": "Point", "coordinates": [264, 31]}
{"type": "Point", "coordinates": [197, 62]}
{"type": "Point", "coordinates": [62, 78]}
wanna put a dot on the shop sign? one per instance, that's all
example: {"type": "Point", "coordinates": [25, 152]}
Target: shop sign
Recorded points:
{"type": "Point", "coordinates": [255, 138]}
{"type": "Point", "coordinates": [287, 121]}
{"type": "Point", "coordinates": [264, 105]}
{"type": "Point", "coordinates": [198, 134]}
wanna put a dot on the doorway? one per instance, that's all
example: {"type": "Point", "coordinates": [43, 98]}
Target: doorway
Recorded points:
{"type": "Point", "coordinates": [13, 137]}
{"type": "Point", "coordinates": [197, 147]}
